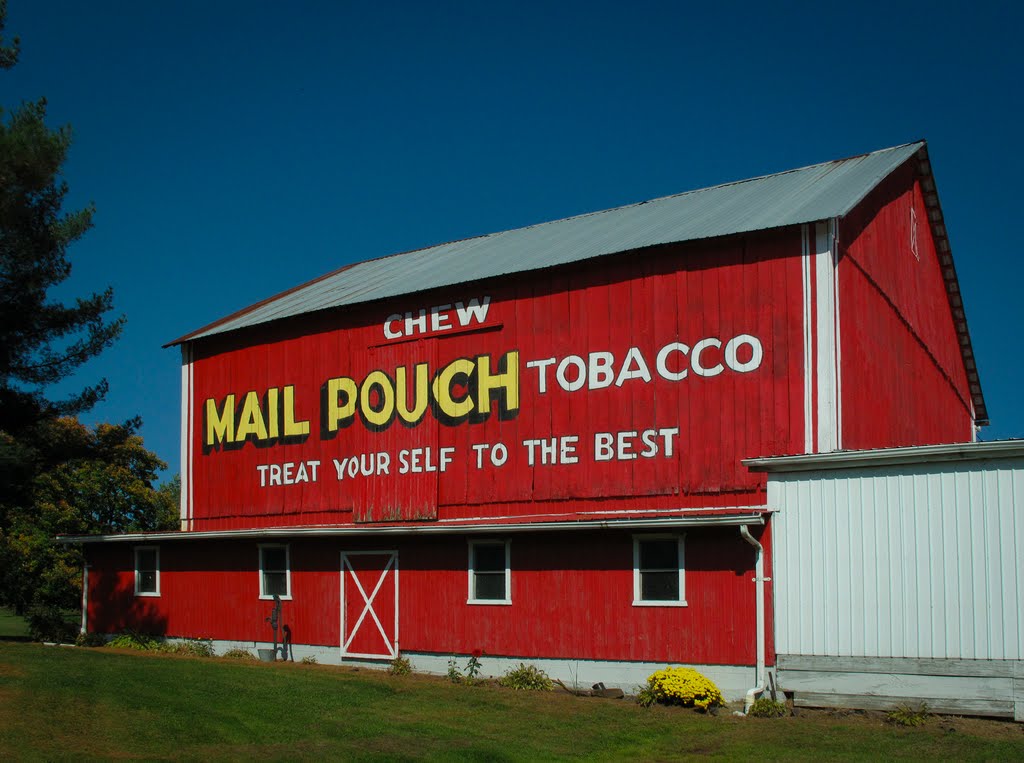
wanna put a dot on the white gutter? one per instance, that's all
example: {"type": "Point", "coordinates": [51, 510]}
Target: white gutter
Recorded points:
{"type": "Point", "coordinates": [721, 520]}
{"type": "Point", "coordinates": [759, 580]}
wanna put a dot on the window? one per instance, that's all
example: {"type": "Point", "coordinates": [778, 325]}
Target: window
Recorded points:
{"type": "Point", "coordinates": [275, 572]}
{"type": "Point", "coordinates": [147, 571]}
{"type": "Point", "coordinates": [490, 580]}
{"type": "Point", "coordinates": [658, 571]}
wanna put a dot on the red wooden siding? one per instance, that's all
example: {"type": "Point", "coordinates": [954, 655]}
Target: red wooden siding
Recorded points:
{"type": "Point", "coordinates": [571, 597]}
{"type": "Point", "coordinates": [903, 376]}
{"type": "Point", "coordinates": [721, 289]}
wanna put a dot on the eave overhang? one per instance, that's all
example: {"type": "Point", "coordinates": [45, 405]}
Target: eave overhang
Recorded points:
{"type": "Point", "coordinates": [919, 454]}
{"type": "Point", "coordinates": [730, 519]}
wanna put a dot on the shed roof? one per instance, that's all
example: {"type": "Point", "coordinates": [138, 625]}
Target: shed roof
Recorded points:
{"type": "Point", "coordinates": [805, 195]}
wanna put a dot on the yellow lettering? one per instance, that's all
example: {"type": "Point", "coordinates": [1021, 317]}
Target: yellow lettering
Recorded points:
{"type": "Point", "coordinates": [420, 391]}
{"type": "Point", "coordinates": [442, 389]}
{"type": "Point", "coordinates": [293, 428]}
{"type": "Point", "coordinates": [272, 416]}
{"type": "Point", "coordinates": [507, 381]}
{"type": "Point", "coordinates": [337, 413]}
{"type": "Point", "coordinates": [381, 417]}
{"type": "Point", "coordinates": [250, 421]}
{"type": "Point", "coordinates": [220, 425]}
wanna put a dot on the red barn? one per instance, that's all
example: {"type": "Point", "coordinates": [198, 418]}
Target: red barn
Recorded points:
{"type": "Point", "coordinates": [530, 442]}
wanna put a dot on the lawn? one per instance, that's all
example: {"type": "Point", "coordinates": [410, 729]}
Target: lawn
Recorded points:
{"type": "Point", "coordinates": [63, 703]}
{"type": "Point", "coordinates": [12, 626]}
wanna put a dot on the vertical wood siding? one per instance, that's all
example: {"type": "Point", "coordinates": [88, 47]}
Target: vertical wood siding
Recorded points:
{"type": "Point", "coordinates": [571, 597]}
{"type": "Point", "coordinates": [919, 561]}
{"type": "Point", "coordinates": [904, 381]}
{"type": "Point", "coordinates": [718, 289]}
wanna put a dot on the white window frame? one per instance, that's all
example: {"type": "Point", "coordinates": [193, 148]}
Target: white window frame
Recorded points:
{"type": "Point", "coordinates": [471, 599]}
{"type": "Point", "coordinates": [156, 550]}
{"type": "Point", "coordinates": [287, 571]}
{"type": "Point", "coordinates": [637, 589]}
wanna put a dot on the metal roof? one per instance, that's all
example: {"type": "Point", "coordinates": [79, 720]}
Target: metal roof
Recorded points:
{"type": "Point", "coordinates": [730, 517]}
{"type": "Point", "coordinates": [798, 196]}
{"type": "Point", "coordinates": [805, 195]}
{"type": "Point", "coordinates": [914, 454]}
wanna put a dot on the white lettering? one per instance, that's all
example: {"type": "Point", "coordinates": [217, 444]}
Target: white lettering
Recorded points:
{"type": "Point", "coordinates": [475, 310]}
{"type": "Point", "coordinates": [640, 372]}
{"type": "Point", "coordinates": [756, 353]}
{"type": "Point", "coordinates": [695, 361]}
{"type": "Point", "coordinates": [542, 375]}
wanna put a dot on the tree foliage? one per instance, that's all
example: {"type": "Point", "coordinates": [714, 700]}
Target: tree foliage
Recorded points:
{"type": "Point", "coordinates": [103, 484]}
{"type": "Point", "coordinates": [57, 476]}
{"type": "Point", "coordinates": [42, 341]}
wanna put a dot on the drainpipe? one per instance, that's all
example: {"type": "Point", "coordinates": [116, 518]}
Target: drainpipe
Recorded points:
{"type": "Point", "coordinates": [759, 581]}
{"type": "Point", "coordinates": [85, 597]}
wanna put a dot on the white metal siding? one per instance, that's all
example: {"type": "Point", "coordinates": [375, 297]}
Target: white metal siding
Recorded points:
{"type": "Point", "coordinates": [901, 561]}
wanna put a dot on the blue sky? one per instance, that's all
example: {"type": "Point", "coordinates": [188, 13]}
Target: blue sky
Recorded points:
{"type": "Point", "coordinates": [235, 149]}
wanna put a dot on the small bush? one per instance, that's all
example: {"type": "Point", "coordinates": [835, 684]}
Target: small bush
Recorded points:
{"type": "Point", "coordinates": [907, 716]}
{"type": "Point", "coordinates": [766, 707]}
{"type": "Point", "coordinates": [133, 640]}
{"type": "Point", "coordinates": [238, 654]}
{"type": "Point", "coordinates": [52, 624]}
{"type": "Point", "coordinates": [526, 677]}
{"type": "Point", "coordinates": [400, 666]}
{"type": "Point", "coordinates": [308, 660]}
{"type": "Point", "coordinates": [189, 648]}
{"type": "Point", "coordinates": [646, 695]}
{"type": "Point", "coordinates": [90, 639]}
{"type": "Point", "coordinates": [454, 674]}
{"type": "Point", "coordinates": [681, 686]}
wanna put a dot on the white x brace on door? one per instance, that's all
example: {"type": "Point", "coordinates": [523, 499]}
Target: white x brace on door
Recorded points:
{"type": "Point", "coordinates": [369, 604]}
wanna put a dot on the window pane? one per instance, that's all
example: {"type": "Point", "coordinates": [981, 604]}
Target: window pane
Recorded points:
{"type": "Point", "coordinates": [490, 585]}
{"type": "Point", "coordinates": [659, 586]}
{"type": "Point", "coordinates": [275, 583]}
{"type": "Point", "coordinates": [274, 559]}
{"type": "Point", "coordinates": [147, 581]}
{"type": "Point", "coordinates": [146, 559]}
{"type": "Point", "coordinates": [659, 554]}
{"type": "Point", "coordinates": [489, 558]}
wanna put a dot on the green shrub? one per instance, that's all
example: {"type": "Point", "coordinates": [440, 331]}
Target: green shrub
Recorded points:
{"type": "Point", "coordinates": [53, 624]}
{"type": "Point", "coordinates": [133, 640]}
{"type": "Point", "coordinates": [454, 674]}
{"type": "Point", "coordinates": [766, 707]}
{"type": "Point", "coordinates": [400, 666]}
{"type": "Point", "coordinates": [238, 654]}
{"type": "Point", "coordinates": [907, 716]}
{"type": "Point", "coordinates": [526, 677]}
{"type": "Point", "coordinates": [308, 660]}
{"type": "Point", "coordinates": [680, 686]}
{"type": "Point", "coordinates": [187, 648]}
{"type": "Point", "coordinates": [90, 639]}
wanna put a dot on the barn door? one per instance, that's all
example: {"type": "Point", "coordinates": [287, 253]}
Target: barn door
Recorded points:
{"type": "Point", "coordinates": [369, 604]}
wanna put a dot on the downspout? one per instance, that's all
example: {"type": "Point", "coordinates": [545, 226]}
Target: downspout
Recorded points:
{"type": "Point", "coordinates": [759, 580]}
{"type": "Point", "coordinates": [85, 596]}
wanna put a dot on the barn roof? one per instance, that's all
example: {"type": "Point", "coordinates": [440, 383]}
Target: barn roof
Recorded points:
{"type": "Point", "coordinates": [805, 195]}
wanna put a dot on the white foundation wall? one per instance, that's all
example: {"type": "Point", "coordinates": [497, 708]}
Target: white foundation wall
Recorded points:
{"type": "Point", "coordinates": [733, 681]}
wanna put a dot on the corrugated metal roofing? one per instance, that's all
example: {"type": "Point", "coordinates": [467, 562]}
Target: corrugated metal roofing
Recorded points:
{"type": "Point", "coordinates": [797, 196]}
{"type": "Point", "coordinates": [805, 195]}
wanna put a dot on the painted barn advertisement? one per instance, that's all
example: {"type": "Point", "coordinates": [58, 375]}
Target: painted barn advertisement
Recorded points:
{"type": "Point", "coordinates": [652, 381]}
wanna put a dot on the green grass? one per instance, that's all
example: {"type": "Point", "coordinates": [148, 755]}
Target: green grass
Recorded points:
{"type": "Point", "coordinates": [59, 703]}
{"type": "Point", "coordinates": [12, 626]}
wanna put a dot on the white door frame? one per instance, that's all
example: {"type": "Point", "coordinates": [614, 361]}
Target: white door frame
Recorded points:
{"type": "Point", "coordinates": [391, 566]}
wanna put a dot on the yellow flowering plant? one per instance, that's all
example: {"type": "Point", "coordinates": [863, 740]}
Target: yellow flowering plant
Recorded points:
{"type": "Point", "coordinates": [680, 686]}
